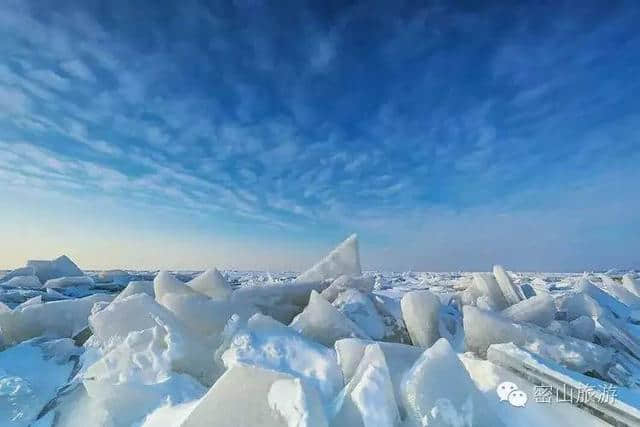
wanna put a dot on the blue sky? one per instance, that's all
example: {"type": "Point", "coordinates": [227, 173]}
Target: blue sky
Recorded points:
{"type": "Point", "coordinates": [257, 134]}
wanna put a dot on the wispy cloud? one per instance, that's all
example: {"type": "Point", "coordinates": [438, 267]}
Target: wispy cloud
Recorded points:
{"type": "Point", "coordinates": [441, 107]}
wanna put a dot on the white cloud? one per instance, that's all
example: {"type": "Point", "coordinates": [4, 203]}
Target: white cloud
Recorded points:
{"type": "Point", "coordinates": [78, 69]}
{"type": "Point", "coordinates": [50, 79]}
{"type": "Point", "coordinates": [13, 101]}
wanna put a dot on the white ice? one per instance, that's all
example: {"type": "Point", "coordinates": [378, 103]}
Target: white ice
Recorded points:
{"type": "Point", "coordinates": [359, 307]}
{"type": "Point", "coordinates": [539, 310]}
{"type": "Point", "coordinates": [323, 322]}
{"type": "Point", "coordinates": [213, 284]}
{"type": "Point", "coordinates": [421, 310]}
{"type": "Point", "coordinates": [343, 260]}
{"type": "Point", "coordinates": [59, 267]}
{"type": "Point", "coordinates": [368, 399]}
{"type": "Point", "coordinates": [438, 391]}
{"type": "Point", "coordinates": [267, 344]}
{"type": "Point", "coordinates": [487, 285]}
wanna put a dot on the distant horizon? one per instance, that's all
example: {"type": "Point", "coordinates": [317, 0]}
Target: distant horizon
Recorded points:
{"type": "Point", "coordinates": [258, 135]}
{"type": "Point", "coordinates": [298, 271]}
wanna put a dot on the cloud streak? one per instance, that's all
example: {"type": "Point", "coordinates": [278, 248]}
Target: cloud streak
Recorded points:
{"type": "Point", "coordinates": [216, 109]}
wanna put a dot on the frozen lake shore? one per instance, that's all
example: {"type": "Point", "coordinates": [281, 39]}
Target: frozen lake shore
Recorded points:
{"type": "Point", "coordinates": [333, 346]}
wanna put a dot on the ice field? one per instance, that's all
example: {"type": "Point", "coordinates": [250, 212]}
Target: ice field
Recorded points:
{"type": "Point", "coordinates": [333, 346]}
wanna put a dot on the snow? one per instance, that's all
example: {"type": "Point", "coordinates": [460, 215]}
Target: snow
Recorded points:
{"type": "Point", "coordinates": [213, 284]}
{"type": "Point", "coordinates": [343, 260]}
{"type": "Point", "coordinates": [112, 325]}
{"type": "Point", "coordinates": [267, 344]}
{"type": "Point", "coordinates": [136, 377]}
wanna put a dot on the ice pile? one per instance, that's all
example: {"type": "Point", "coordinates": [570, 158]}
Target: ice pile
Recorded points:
{"type": "Point", "coordinates": [330, 347]}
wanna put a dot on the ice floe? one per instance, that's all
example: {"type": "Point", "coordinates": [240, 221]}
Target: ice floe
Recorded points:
{"type": "Point", "coordinates": [333, 346]}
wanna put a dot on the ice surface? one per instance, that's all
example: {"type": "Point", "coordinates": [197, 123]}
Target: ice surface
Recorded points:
{"type": "Point", "coordinates": [30, 374]}
{"type": "Point", "coordinates": [539, 310]}
{"type": "Point", "coordinates": [170, 415]}
{"type": "Point", "coordinates": [344, 282]}
{"type": "Point", "coordinates": [18, 272]}
{"type": "Point", "coordinates": [31, 301]}
{"type": "Point", "coordinates": [421, 310]}
{"type": "Point", "coordinates": [241, 398]}
{"type": "Point", "coordinates": [138, 312]}
{"type": "Point", "coordinates": [583, 328]}
{"type": "Point", "coordinates": [323, 322]}
{"type": "Point", "coordinates": [343, 260]}
{"type": "Point", "coordinates": [166, 283]}
{"type": "Point", "coordinates": [438, 391]}
{"type": "Point", "coordinates": [282, 301]}
{"type": "Point", "coordinates": [213, 284]}
{"type": "Point", "coordinates": [65, 282]}
{"type": "Point", "coordinates": [362, 311]}
{"type": "Point", "coordinates": [4, 308]}
{"type": "Point", "coordinates": [631, 284]}
{"type": "Point", "coordinates": [579, 304]}
{"type": "Point", "coordinates": [137, 287]}
{"type": "Point", "coordinates": [53, 295]}
{"type": "Point", "coordinates": [59, 267]}
{"type": "Point", "coordinates": [113, 276]}
{"type": "Point", "coordinates": [509, 291]}
{"type": "Point", "coordinates": [620, 292]}
{"type": "Point", "coordinates": [398, 357]}
{"type": "Point", "coordinates": [205, 316]}
{"type": "Point", "coordinates": [300, 407]}
{"type": "Point", "coordinates": [391, 313]}
{"type": "Point", "coordinates": [368, 399]}
{"type": "Point", "coordinates": [268, 344]}
{"type": "Point", "coordinates": [23, 282]}
{"type": "Point", "coordinates": [152, 356]}
{"type": "Point", "coordinates": [136, 377]}
{"type": "Point", "coordinates": [483, 328]}
{"type": "Point", "coordinates": [559, 327]}
{"type": "Point", "coordinates": [604, 300]}
{"type": "Point", "coordinates": [619, 409]}
{"type": "Point", "coordinates": [56, 319]}
{"type": "Point", "coordinates": [487, 285]}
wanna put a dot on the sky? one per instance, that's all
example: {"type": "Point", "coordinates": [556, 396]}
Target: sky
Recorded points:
{"type": "Point", "coordinates": [256, 134]}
